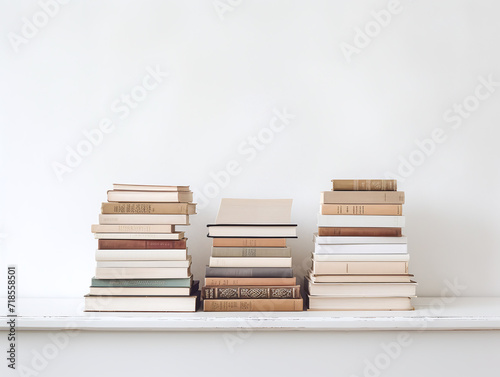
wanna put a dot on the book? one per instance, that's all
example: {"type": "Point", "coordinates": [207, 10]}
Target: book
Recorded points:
{"type": "Point", "coordinates": [96, 228]}
{"type": "Point", "coordinates": [254, 305]}
{"type": "Point", "coordinates": [140, 304]}
{"type": "Point", "coordinates": [155, 283]}
{"type": "Point", "coordinates": [359, 278]}
{"type": "Point", "coordinates": [245, 231]}
{"type": "Point", "coordinates": [249, 272]}
{"type": "Point", "coordinates": [142, 244]}
{"type": "Point", "coordinates": [150, 196]}
{"type": "Point", "coordinates": [254, 211]}
{"type": "Point", "coordinates": [352, 249]}
{"type": "Point", "coordinates": [362, 289]}
{"type": "Point", "coordinates": [359, 232]}
{"type": "Point", "coordinates": [362, 209]}
{"type": "Point", "coordinates": [333, 240]}
{"type": "Point", "coordinates": [251, 252]}
{"type": "Point", "coordinates": [359, 303]}
{"type": "Point", "coordinates": [148, 208]}
{"type": "Point", "coordinates": [142, 273]}
{"type": "Point", "coordinates": [143, 291]}
{"type": "Point", "coordinates": [139, 236]}
{"type": "Point", "coordinates": [361, 257]}
{"type": "Point", "coordinates": [250, 281]}
{"type": "Point", "coordinates": [141, 254]}
{"type": "Point", "coordinates": [362, 197]}
{"type": "Point", "coordinates": [121, 219]}
{"type": "Point", "coordinates": [129, 187]}
{"type": "Point", "coordinates": [255, 292]}
{"type": "Point", "coordinates": [250, 262]}
{"type": "Point", "coordinates": [364, 184]}
{"type": "Point", "coordinates": [360, 267]}
{"type": "Point", "coordinates": [144, 263]}
{"type": "Point", "coordinates": [249, 242]}
{"type": "Point", "coordinates": [361, 221]}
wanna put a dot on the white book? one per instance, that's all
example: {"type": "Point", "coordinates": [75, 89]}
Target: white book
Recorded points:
{"type": "Point", "coordinates": [250, 262]}
{"type": "Point", "coordinates": [129, 187]}
{"type": "Point", "coordinates": [254, 211]}
{"type": "Point", "coordinates": [140, 254]}
{"type": "Point", "coordinates": [142, 273]}
{"type": "Point", "coordinates": [150, 196]}
{"type": "Point", "coordinates": [143, 219]}
{"type": "Point", "coordinates": [132, 228]}
{"type": "Point", "coordinates": [139, 236]}
{"type": "Point", "coordinates": [285, 231]}
{"type": "Point", "coordinates": [359, 303]}
{"type": "Point", "coordinates": [144, 263]}
{"type": "Point", "coordinates": [361, 221]}
{"type": "Point", "coordinates": [361, 257]}
{"type": "Point", "coordinates": [140, 291]}
{"type": "Point", "coordinates": [139, 304]}
{"type": "Point", "coordinates": [391, 248]}
{"type": "Point", "coordinates": [362, 289]}
{"type": "Point", "coordinates": [331, 240]}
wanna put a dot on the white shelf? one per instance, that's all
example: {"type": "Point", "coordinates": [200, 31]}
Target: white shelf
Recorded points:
{"type": "Point", "coordinates": [465, 313]}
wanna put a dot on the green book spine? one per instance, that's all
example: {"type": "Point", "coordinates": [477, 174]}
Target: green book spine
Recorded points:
{"type": "Point", "coordinates": [141, 282]}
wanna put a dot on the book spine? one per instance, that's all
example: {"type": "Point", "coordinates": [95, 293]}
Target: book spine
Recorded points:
{"type": "Point", "coordinates": [142, 273]}
{"type": "Point", "coordinates": [361, 209]}
{"type": "Point", "coordinates": [360, 268]}
{"type": "Point", "coordinates": [362, 197]}
{"type": "Point", "coordinates": [250, 292]}
{"type": "Point", "coordinates": [139, 236]}
{"type": "Point", "coordinates": [209, 281]}
{"type": "Point", "coordinates": [133, 228]}
{"type": "Point", "coordinates": [251, 252]}
{"type": "Point", "coordinates": [248, 272]}
{"type": "Point", "coordinates": [359, 232]}
{"type": "Point", "coordinates": [250, 262]}
{"type": "Point", "coordinates": [150, 196]}
{"type": "Point", "coordinates": [140, 254]}
{"type": "Point", "coordinates": [141, 282]}
{"type": "Point", "coordinates": [364, 184]}
{"type": "Point", "coordinates": [121, 219]}
{"type": "Point", "coordinates": [253, 305]}
{"type": "Point", "coordinates": [142, 244]}
{"type": "Point", "coordinates": [148, 208]}
{"type": "Point", "coordinates": [249, 242]}
{"type": "Point", "coordinates": [361, 221]}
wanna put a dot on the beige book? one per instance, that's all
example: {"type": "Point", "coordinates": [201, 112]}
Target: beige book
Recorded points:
{"type": "Point", "coordinates": [149, 208]}
{"type": "Point", "coordinates": [364, 184]}
{"type": "Point", "coordinates": [139, 236]}
{"type": "Point", "coordinates": [250, 262]}
{"type": "Point", "coordinates": [142, 273]}
{"type": "Point", "coordinates": [357, 268]}
{"type": "Point", "coordinates": [119, 219]}
{"type": "Point", "coordinates": [359, 303]}
{"type": "Point", "coordinates": [132, 228]}
{"type": "Point", "coordinates": [140, 254]}
{"type": "Point", "coordinates": [362, 209]}
{"type": "Point", "coordinates": [362, 197]}
{"type": "Point", "coordinates": [150, 196]}
{"type": "Point", "coordinates": [362, 289]}
{"type": "Point", "coordinates": [129, 187]}
{"type": "Point", "coordinates": [358, 278]}
{"type": "Point", "coordinates": [254, 211]}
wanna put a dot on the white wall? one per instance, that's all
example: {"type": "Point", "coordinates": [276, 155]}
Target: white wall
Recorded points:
{"type": "Point", "coordinates": [353, 119]}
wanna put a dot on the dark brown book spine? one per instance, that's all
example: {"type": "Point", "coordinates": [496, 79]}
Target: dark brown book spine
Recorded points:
{"type": "Point", "coordinates": [361, 232]}
{"type": "Point", "coordinates": [142, 244]}
{"type": "Point", "coordinates": [255, 292]}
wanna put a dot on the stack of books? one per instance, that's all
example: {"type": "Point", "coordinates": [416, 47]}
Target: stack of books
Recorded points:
{"type": "Point", "coordinates": [142, 260]}
{"type": "Point", "coordinates": [360, 259]}
{"type": "Point", "coordinates": [250, 267]}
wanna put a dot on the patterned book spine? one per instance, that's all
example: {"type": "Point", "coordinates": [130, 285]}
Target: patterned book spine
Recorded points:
{"type": "Point", "coordinates": [255, 292]}
{"type": "Point", "coordinates": [148, 208]}
{"type": "Point", "coordinates": [353, 209]}
{"type": "Point", "coordinates": [364, 185]}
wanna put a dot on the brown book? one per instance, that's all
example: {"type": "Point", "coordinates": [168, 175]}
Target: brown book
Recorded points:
{"type": "Point", "coordinates": [149, 208]}
{"type": "Point", "coordinates": [360, 268]}
{"type": "Point", "coordinates": [362, 197]}
{"type": "Point", "coordinates": [359, 232]}
{"type": "Point", "coordinates": [250, 281]}
{"type": "Point", "coordinates": [249, 242]}
{"type": "Point", "coordinates": [362, 209]}
{"type": "Point", "coordinates": [142, 244]}
{"type": "Point", "coordinates": [254, 305]}
{"type": "Point", "coordinates": [364, 184]}
{"type": "Point", "coordinates": [255, 292]}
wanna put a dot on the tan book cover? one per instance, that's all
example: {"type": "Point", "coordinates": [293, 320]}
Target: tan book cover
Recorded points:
{"type": "Point", "coordinates": [362, 197]}
{"type": "Point", "coordinates": [360, 267]}
{"type": "Point", "coordinates": [149, 208]}
{"type": "Point", "coordinates": [254, 211]}
{"type": "Point", "coordinates": [140, 219]}
{"type": "Point", "coordinates": [251, 252]}
{"type": "Point", "coordinates": [139, 236]}
{"type": "Point", "coordinates": [132, 228]}
{"type": "Point", "coordinates": [359, 232]}
{"type": "Point", "coordinates": [362, 209]}
{"type": "Point", "coordinates": [249, 242]}
{"type": "Point", "coordinates": [364, 184]}
{"type": "Point", "coordinates": [132, 187]}
{"type": "Point", "coordinates": [254, 305]}
{"type": "Point", "coordinates": [250, 281]}
{"type": "Point", "coordinates": [150, 196]}
{"type": "Point", "coordinates": [142, 244]}
{"type": "Point", "coordinates": [250, 262]}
